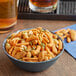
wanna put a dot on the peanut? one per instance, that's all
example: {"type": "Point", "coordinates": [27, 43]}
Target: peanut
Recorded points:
{"type": "Point", "coordinates": [68, 39]}
{"type": "Point", "coordinates": [72, 35]}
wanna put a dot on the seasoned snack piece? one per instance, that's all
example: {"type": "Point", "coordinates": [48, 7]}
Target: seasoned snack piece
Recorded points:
{"type": "Point", "coordinates": [68, 39]}
{"type": "Point", "coordinates": [34, 45]}
{"type": "Point", "coordinates": [8, 46]}
{"type": "Point", "coordinates": [10, 50]}
{"type": "Point", "coordinates": [20, 55]}
{"type": "Point", "coordinates": [68, 33]}
{"type": "Point", "coordinates": [54, 49]}
{"type": "Point", "coordinates": [60, 44]}
{"type": "Point", "coordinates": [72, 35]}
{"type": "Point", "coordinates": [36, 52]}
{"type": "Point", "coordinates": [28, 54]}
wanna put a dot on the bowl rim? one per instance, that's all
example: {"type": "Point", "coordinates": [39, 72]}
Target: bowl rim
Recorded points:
{"type": "Point", "coordinates": [4, 42]}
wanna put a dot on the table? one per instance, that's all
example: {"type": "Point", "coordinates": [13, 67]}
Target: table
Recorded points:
{"type": "Point", "coordinates": [64, 66]}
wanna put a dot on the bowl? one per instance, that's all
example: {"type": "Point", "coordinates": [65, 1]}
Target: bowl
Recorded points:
{"type": "Point", "coordinates": [32, 66]}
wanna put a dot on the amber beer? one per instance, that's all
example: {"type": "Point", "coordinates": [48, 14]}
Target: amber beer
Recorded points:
{"type": "Point", "coordinates": [43, 5]}
{"type": "Point", "coordinates": [8, 14]}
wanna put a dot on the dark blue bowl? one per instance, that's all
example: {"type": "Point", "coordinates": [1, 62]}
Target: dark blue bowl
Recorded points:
{"type": "Point", "coordinates": [32, 66]}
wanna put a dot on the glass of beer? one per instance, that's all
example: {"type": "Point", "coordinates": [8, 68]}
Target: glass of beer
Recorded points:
{"type": "Point", "coordinates": [43, 6]}
{"type": "Point", "coordinates": [8, 15]}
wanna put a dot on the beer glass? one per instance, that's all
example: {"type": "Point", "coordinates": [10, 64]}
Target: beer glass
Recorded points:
{"type": "Point", "coordinates": [43, 6]}
{"type": "Point", "coordinates": [8, 14]}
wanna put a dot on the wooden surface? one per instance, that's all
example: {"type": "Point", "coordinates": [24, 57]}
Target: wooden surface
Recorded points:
{"type": "Point", "coordinates": [65, 65]}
